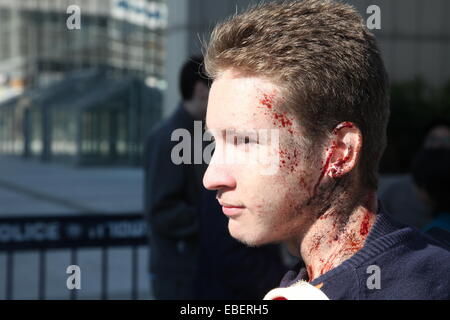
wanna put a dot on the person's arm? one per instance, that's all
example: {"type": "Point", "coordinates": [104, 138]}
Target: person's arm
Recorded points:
{"type": "Point", "coordinates": [165, 205]}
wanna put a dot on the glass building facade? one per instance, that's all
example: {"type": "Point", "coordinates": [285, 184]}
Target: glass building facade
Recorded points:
{"type": "Point", "coordinates": [87, 118]}
{"type": "Point", "coordinates": [88, 95]}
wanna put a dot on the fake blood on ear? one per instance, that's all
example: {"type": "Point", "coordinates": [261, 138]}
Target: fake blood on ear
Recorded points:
{"type": "Point", "coordinates": [345, 124]}
{"type": "Point", "coordinates": [340, 162]}
{"type": "Point", "coordinates": [338, 165]}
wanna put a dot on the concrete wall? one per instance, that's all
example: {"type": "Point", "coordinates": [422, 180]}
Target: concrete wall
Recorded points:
{"type": "Point", "coordinates": [190, 21]}
{"type": "Point", "coordinates": [414, 36]}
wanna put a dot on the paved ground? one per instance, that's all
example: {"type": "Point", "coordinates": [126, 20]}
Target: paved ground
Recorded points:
{"type": "Point", "coordinates": [54, 188]}
{"type": "Point", "coordinates": [31, 188]}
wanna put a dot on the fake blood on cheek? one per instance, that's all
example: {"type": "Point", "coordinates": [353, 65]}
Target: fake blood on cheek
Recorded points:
{"type": "Point", "coordinates": [288, 159]}
{"type": "Point", "coordinates": [324, 169]}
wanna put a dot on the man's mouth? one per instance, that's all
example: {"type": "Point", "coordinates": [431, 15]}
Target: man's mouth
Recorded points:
{"type": "Point", "coordinates": [231, 210]}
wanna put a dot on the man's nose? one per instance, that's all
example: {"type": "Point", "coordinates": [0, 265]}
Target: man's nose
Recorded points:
{"type": "Point", "coordinates": [218, 177]}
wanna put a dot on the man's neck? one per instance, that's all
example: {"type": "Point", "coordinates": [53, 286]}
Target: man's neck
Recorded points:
{"type": "Point", "coordinates": [336, 236]}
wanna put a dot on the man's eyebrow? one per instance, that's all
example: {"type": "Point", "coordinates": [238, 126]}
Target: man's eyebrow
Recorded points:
{"type": "Point", "coordinates": [234, 131]}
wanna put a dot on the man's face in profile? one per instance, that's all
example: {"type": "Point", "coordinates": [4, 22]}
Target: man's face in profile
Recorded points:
{"type": "Point", "coordinates": [262, 205]}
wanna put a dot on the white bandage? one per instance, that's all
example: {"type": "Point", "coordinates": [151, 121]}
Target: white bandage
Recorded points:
{"type": "Point", "coordinates": [301, 290]}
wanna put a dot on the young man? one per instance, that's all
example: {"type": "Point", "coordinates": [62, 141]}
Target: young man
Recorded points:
{"type": "Point", "coordinates": [312, 73]}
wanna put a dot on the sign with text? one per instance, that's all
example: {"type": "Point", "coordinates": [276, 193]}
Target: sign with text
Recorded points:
{"type": "Point", "coordinates": [88, 230]}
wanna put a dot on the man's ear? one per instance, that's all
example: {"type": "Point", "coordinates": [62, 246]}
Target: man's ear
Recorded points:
{"type": "Point", "coordinates": [347, 144]}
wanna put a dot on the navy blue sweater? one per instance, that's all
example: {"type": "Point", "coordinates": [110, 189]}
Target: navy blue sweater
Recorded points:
{"type": "Point", "coordinates": [412, 265]}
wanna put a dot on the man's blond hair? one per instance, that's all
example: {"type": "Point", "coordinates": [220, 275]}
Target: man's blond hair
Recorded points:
{"type": "Point", "coordinates": [325, 60]}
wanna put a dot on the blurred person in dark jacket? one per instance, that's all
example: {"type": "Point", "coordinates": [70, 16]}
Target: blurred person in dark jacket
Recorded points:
{"type": "Point", "coordinates": [401, 197]}
{"type": "Point", "coordinates": [431, 173]}
{"type": "Point", "coordinates": [172, 192]}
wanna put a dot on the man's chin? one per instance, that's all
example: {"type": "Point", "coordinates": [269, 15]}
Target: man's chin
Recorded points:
{"type": "Point", "coordinates": [250, 240]}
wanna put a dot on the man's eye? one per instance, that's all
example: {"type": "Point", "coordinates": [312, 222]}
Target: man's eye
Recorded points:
{"type": "Point", "coordinates": [242, 140]}
{"type": "Point", "coordinates": [246, 140]}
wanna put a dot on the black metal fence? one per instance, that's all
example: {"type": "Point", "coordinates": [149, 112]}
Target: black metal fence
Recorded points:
{"type": "Point", "coordinates": [46, 233]}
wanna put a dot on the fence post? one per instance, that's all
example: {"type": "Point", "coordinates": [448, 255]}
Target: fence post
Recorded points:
{"type": "Point", "coordinates": [42, 274]}
{"type": "Point", "coordinates": [104, 273]}
{"type": "Point", "coordinates": [134, 272]}
{"type": "Point", "coordinates": [9, 274]}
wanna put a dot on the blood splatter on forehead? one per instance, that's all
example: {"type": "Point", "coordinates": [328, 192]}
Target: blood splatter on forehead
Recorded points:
{"type": "Point", "coordinates": [267, 102]}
